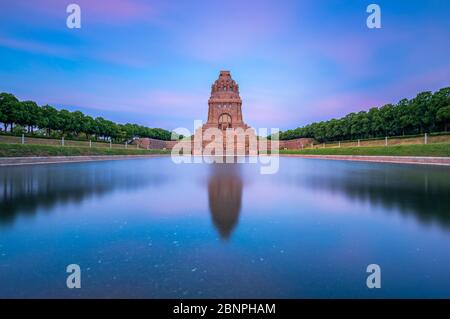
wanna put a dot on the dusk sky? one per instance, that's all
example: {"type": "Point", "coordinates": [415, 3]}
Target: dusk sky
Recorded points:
{"type": "Point", "coordinates": [153, 62]}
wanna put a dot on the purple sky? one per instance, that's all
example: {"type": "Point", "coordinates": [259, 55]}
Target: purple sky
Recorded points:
{"type": "Point", "coordinates": [153, 62]}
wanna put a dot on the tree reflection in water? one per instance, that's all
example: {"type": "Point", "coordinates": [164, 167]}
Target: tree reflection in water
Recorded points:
{"type": "Point", "coordinates": [26, 189]}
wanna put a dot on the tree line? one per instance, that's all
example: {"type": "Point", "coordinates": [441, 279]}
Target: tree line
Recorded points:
{"type": "Point", "coordinates": [426, 113]}
{"type": "Point", "coordinates": [26, 117]}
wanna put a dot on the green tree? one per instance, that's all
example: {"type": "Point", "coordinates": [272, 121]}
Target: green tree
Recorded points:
{"type": "Point", "coordinates": [77, 119]}
{"type": "Point", "coordinates": [64, 122]}
{"type": "Point", "coordinates": [421, 111]}
{"type": "Point", "coordinates": [29, 115]}
{"type": "Point", "coordinates": [48, 119]}
{"type": "Point", "coordinates": [443, 116]}
{"type": "Point", "coordinates": [375, 122]}
{"type": "Point", "coordinates": [8, 109]}
{"type": "Point", "coordinates": [89, 126]}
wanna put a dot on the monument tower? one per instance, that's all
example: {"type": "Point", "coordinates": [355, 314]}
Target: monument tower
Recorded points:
{"type": "Point", "coordinates": [225, 104]}
{"type": "Point", "coordinates": [225, 112]}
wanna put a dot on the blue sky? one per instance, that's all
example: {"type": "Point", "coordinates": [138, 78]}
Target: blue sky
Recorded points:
{"type": "Point", "coordinates": [153, 62]}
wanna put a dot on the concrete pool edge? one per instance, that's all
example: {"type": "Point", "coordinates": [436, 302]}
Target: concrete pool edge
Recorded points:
{"type": "Point", "coordinates": [34, 160]}
{"type": "Point", "coordinates": [423, 160]}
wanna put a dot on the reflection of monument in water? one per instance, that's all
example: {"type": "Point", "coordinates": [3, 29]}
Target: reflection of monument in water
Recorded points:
{"type": "Point", "coordinates": [225, 196]}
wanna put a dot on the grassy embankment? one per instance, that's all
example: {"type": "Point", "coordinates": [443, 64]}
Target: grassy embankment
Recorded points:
{"type": "Point", "coordinates": [438, 150]}
{"type": "Point", "coordinates": [18, 150]}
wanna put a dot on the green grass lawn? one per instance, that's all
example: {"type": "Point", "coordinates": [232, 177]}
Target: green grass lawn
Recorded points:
{"type": "Point", "coordinates": [18, 150]}
{"type": "Point", "coordinates": [397, 150]}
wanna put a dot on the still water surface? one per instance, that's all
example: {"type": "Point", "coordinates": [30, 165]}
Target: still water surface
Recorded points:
{"type": "Point", "coordinates": [150, 228]}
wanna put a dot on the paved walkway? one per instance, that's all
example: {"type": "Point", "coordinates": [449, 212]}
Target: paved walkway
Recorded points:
{"type": "Point", "coordinates": [15, 161]}
{"type": "Point", "coordinates": [380, 159]}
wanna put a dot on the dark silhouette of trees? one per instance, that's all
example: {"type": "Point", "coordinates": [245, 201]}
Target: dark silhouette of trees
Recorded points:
{"type": "Point", "coordinates": [443, 116]}
{"type": "Point", "coordinates": [426, 113]}
{"type": "Point", "coordinates": [27, 116]}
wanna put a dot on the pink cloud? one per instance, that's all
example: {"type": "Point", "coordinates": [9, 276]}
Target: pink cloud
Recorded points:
{"type": "Point", "coordinates": [131, 59]}
{"type": "Point", "coordinates": [169, 103]}
{"type": "Point", "coordinates": [431, 80]}
{"type": "Point", "coordinates": [232, 30]}
{"type": "Point", "coordinates": [267, 114]}
{"type": "Point", "coordinates": [351, 52]}
{"type": "Point", "coordinates": [153, 103]}
{"type": "Point", "coordinates": [34, 46]}
{"type": "Point", "coordinates": [103, 11]}
{"type": "Point", "coordinates": [119, 9]}
{"type": "Point", "coordinates": [267, 108]}
{"type": "Point", "coordinates": [338, 105]}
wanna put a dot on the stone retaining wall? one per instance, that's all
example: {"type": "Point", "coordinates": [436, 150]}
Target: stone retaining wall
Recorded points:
{"type": "Point", "coordinates": [13, 161]}
{"type": "Point", "coordinates": [296, 144]}
{"type": "Point", "coordinates": [153, 144]}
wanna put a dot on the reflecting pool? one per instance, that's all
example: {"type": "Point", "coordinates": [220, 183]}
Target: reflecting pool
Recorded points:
{"type": "Point", "coordinates": [149, 228]}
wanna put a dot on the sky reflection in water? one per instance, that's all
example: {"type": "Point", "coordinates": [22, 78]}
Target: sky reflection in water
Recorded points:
{"type": "Point", "coordinates": [150, 228]}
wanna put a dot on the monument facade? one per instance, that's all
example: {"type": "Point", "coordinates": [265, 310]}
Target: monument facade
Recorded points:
{"type": "Point", "coordinates": [225, 104]}
{"type": "Point", "coordinates": [225, 114]}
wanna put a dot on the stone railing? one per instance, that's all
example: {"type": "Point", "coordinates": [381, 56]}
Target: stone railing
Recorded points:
{"type": "Point", "coordinates": [149, 143]}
